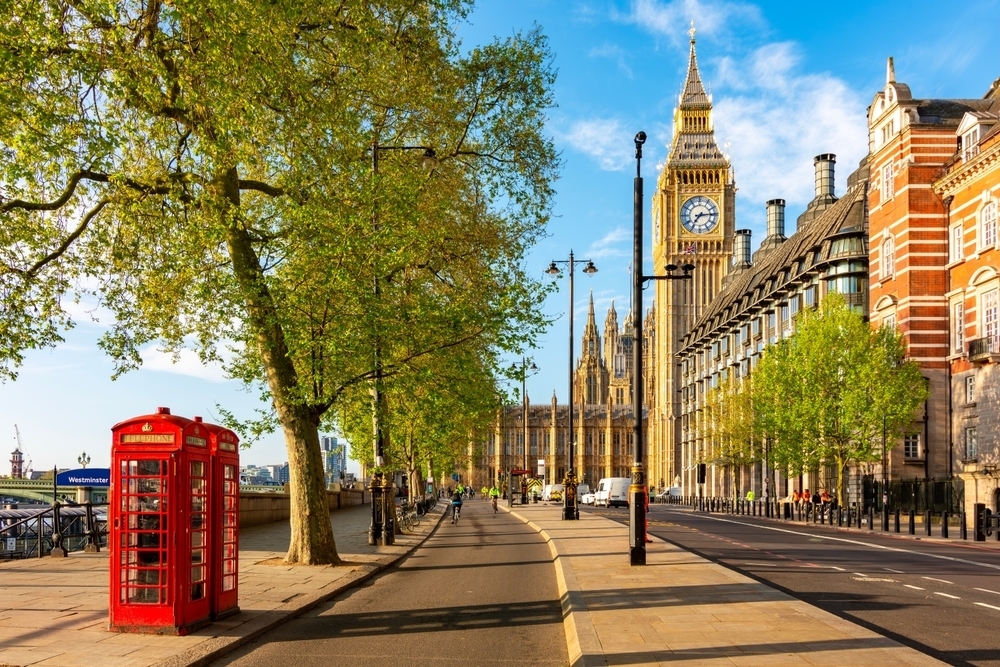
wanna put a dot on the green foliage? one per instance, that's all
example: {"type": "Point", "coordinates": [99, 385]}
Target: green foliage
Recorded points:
{"type": "Point", "coordinates": [204, 170]}
{"type": "Point", "coordinates": [822, 394]}
{"type": "Point", "coordinates": [730, 424]}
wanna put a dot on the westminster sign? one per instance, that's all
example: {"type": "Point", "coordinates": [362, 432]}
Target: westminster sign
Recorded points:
{"type": "Point", "coordinates": [85, 477]}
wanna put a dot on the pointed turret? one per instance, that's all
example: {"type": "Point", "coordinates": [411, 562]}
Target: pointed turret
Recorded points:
{"type": "Point", "coordinates": [591, 336]}
{"type": "Point", "coordinates": [693, 94]}
{"type": "Point", "coordinates": [591, 318]}
{"type": "Point", "coordinates": [694, 137]}
{"type": "Point", "coordinates": [628, 326]}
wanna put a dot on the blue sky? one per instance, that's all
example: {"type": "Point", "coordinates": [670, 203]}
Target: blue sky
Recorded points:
{"type": "Point", "coordinates": [790, 80]}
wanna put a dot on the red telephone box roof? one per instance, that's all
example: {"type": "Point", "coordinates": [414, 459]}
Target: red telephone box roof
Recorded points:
{"type": "Point", "coordinates": [161, 418]}
{"type": "Point", "coordinates": [220, 437]}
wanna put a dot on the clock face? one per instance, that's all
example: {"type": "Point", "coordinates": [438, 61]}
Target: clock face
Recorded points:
{"type": "Point", "coordinates": [699, 215]}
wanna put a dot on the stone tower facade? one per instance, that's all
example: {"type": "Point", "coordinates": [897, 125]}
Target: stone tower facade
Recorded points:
{"type": "Point", "coordinates": [693, 219]}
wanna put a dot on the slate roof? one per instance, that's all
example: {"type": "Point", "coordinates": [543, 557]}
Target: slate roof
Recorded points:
{"type": "Point", "coordinates": [793, 258]}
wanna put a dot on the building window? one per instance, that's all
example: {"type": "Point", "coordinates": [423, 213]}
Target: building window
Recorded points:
{"type": "Point", "coordinates": [958, 327]}
{"type": "Point", "coordinates": [970, 144]}
{"type": "Point", "coordinates": [970, 389]}
{"type": "Point", "coordinates": [991, 322]}
{"type": "Point", "coordinates": [889, 321]}
{"type": "Point", "coordinates": [888, 187]}
{"type": "Point", "coordinates": [755, 327]}
{"type": "Point", "coordinates": [911, 446]}
{"type": "Point", "coordinates": [988, 226]}
{"type": "Point", "coordinates": [888, 257]}
{"type": "Point", "coordinates": [809, 296]}
{"type": "Point", "coordinates": [971, 448]}
{"type": "Point", "coordinates": [956, 253]}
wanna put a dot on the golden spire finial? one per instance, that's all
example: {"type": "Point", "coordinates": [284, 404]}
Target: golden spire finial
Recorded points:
{"type": "Point", "coordinates": [692, 30]}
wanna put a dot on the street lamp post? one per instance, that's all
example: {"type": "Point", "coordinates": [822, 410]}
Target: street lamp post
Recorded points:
{"type": "Point", "coordinates": [524, 368]}
{"type": "Point", "coordinates": [571, 509]}
{"type": "Point", "coordinates": [382, 530]}
{"type": "Point", "coordinates": [638, 492]}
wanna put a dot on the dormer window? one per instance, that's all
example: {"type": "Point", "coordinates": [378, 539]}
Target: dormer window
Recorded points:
{"type": "Point", "coordinates": [970, 143]}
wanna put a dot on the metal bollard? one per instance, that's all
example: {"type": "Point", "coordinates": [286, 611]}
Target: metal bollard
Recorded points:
{"type": "Point", "coordinates": [859, 517]}
{"type": "Point", "coordinates": [963, 530]}
{"type": "Point", "coordinates": [896, 515]}
{"type": "Point", "coordinates": [840, 517]}
{"type": "Point", "coordinates": [927, 523]}
{"type": "Point", "coordinates": [944, 524]}
{"type": "Point", "coordinates": [871, 518]}
{"type": "Point", "coordinates": [913, 523]}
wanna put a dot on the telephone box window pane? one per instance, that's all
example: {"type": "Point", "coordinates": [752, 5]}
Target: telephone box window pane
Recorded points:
{"type": "Point", "coordinates": [197, 504]}
{"type": "Point", "coordinates": [197, 591]}
{"type": "Point", "coordinates": [197, 555]}
{"type": "Point", "coordinates": [229, 472]}
{"type": "Point", "coordinates": [151, 468]}
{"type": "Point", "coordinates": [197, 469]}
{"type": "Point", "coordinates": [228, 582]}
{"type": "Point", "coordinates": [149, 486]}
{"type": "Point", "coordinates": [197, 540]}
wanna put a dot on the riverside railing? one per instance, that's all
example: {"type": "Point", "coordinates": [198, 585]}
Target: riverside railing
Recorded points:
{"type": "Point", "coordinates": [53, 531]}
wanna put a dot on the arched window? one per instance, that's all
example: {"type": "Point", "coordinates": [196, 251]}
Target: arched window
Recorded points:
{"type": "Point", "coordinates": [888, 257]}
{"type": "Point", "coordinates": [988, 226]}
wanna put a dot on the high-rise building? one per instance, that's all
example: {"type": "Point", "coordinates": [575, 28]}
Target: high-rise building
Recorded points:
{"type": "Point", "coordinates": [693, 221]}
{"type": "Point", "coordinates": [334, 458]}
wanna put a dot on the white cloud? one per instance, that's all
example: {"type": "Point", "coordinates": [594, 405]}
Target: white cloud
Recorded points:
{"type": "Point", "coordinates": [615, 53]}
{"type": "Point", "coordinates": [187, 363]}
{"type": "Point", "coordinates": [610, 244]}
{"type": "Point", "coordinates": [603, 139]}
{"type": "Point", "coordinates": [673, 19]}
{"type": "Point", "coordinates": [780, 119]}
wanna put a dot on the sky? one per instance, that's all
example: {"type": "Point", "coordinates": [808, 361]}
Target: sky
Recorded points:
{"type": "Point", "coordinates": [790, 80]}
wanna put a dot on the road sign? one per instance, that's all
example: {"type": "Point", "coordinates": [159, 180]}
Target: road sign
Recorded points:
{"type": "Point", "coordinates": [11, 544]}
{"type": "Point", "coordinates": [454, 476]}
{"type": "Point", "coordinates": [85, 477]}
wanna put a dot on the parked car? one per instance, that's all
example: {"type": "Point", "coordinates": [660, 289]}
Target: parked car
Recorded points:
{"type": "Point", "coordinates": [581, 491]}
{"type": "Point", "coordinates": [612, 492]}
{"type": "Point", "coordinates": [587, 498]}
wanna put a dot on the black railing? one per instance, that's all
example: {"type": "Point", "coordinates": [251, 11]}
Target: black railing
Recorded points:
{"type": "Point", "coordinates": [53, 531]}
{"type": "Point", "coordinates": [980, 348]}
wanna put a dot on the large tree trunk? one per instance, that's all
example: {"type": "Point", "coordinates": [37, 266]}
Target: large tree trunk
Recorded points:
{"type": "Point", "coordinates": [312, 541]}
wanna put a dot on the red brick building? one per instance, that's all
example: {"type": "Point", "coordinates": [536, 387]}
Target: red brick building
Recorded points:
{"type": "Point", "coordinates": [912, 142]}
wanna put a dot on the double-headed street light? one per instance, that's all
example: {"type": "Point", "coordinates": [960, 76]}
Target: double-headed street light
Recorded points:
{"type": "Point", "coordinates": [382, 530]}
{"type": "Point", "coordinates": [522, 370]}
{"type": "Point", "coordinates": [571, 509]}
{"type": "Point", "coordinates": [638, 491]}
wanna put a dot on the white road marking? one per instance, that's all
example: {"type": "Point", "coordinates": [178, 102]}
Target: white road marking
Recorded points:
{"type": "Point", "coordinates": [857, 542]}
{"type": "Point", "coordinates": [838, 569]}
{"type": "Point", "coordinates": [892, 570]}
{"type": "Point", "coordinates": [943, 581]}
{"type": "Point", "coordinates": [916, 588]}
{"type": "Point", "coordinates": [859, 574]}
{"type": "Point", "coordinates": [986, 590]}
{"type": "Point", "coordinates": [983, 604]}
{"type": "Point", "coordinates": [945, 595]}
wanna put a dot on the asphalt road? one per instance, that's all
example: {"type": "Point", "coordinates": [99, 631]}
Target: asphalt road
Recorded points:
{"type": "Point", "coordinates": [941, 599]}
{"type": "Point", "coordinates": [482, 592]}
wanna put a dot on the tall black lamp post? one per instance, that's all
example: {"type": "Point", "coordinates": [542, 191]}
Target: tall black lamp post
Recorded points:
{"type": "Point", "coordinates": [638, 491]}
{"type": "Point", "coordinates": [571, 509]}
{"type": "Point", "coordinates": [382, 530]}
{"type": "Point", "coordinates": [523, 372]}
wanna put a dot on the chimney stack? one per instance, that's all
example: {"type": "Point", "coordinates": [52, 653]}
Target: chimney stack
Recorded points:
{"type": "Point", "coordinates": [824, 174]}
{"type": "Point", "coordinates": [741, 247]}
{"type": "Point", "coordinates": [776, 220]}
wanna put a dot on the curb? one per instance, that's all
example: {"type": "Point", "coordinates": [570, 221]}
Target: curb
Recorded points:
{"type": "Point", "coordinates": [216, 647]}
{"type": "Point", "coordinates": [582, 643]}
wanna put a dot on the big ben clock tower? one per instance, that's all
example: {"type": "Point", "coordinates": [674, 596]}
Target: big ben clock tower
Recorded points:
{"type": "Point", "coordinates": [693, 222]}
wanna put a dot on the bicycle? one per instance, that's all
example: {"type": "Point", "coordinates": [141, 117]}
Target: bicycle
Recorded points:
{"type": "Point", "coordinates": [407, 516]}
{"type": "Point", "coordinates": [494, 503]}
{"type": "Point", "coordinates": [456, 512]}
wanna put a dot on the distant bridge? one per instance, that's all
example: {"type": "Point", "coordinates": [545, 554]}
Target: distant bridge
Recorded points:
{"type": "Point", "coordinates": [41, 489]}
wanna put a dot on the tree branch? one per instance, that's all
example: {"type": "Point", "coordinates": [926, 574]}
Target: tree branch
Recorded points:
{"type": "Point", "coordinates": [67, 242]}
{"type": "Point", "coordinates": [74, 180]}
{"type": "Point", "coordinates": [260, 186]}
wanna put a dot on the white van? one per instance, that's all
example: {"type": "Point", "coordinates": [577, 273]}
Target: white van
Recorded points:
{"type": "Point", "coordinates": [549, 489]}
{"type": "Point", "coordinates": [612, 492]}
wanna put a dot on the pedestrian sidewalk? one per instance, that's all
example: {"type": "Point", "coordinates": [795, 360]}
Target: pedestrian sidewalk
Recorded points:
{"type": "Point", "coordinates": [55, 611]}
{"type": "Point", "coordinates": [680, 606]}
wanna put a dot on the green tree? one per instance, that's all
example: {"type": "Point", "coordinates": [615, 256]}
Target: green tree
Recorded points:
{"type": "Point", "coordinates": [204, 169]}
{"type": "Point", "coordinates": [824, 394]}
{"type": "Point", "coordinates": [731, 425]}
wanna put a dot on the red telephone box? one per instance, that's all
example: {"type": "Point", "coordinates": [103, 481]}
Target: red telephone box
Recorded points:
{"type": "Point", "coordinates": [223, 564]}
{"type": "Point", "coordinates": [160, 525]}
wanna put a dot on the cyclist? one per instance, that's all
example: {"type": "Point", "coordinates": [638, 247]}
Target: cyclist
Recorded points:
{"type": "Point", "coordinates": [494, 496]}
{"type": "Point", "coordinates": [456, 506]}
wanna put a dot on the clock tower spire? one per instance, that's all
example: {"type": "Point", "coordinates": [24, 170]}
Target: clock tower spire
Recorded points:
{"type": "Point", "coordinates": [693, 220]}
